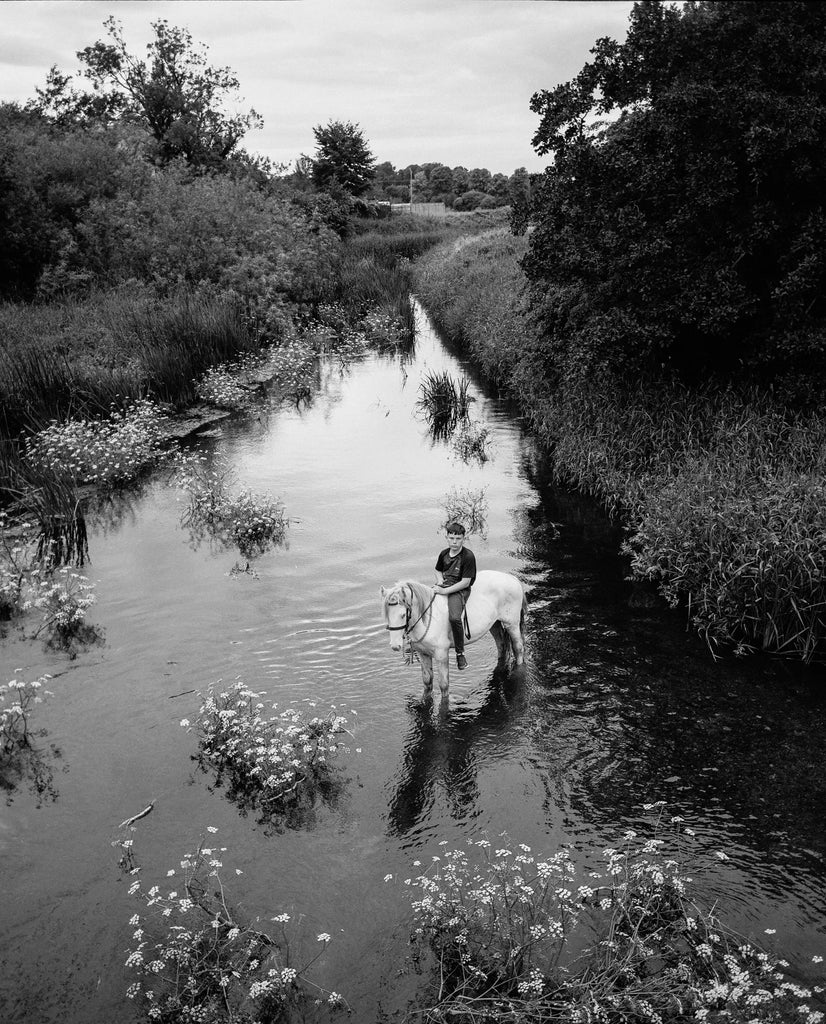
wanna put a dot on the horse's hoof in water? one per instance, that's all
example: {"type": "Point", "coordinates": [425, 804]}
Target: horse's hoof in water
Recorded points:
{"type": "Point", "coordinates": [461, 662]}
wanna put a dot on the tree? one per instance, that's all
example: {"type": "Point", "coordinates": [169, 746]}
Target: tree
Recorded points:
{"type": "Point", "coordinates": [174, 94]}
{"type": "Point", "coordinates": [519, 196]}
{"type": "Point", "coordinates": [461, 180]}
{"type": "Point", "coordinates": [343, 160]}
{"type": "Point", "coordinates": [441, 179]}
{"type": "Point", "coordinates": [480, 179]}
{"type": "Point", "coordinates": [690, 230]}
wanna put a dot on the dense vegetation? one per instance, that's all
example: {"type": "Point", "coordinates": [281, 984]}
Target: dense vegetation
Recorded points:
{"type": "Point", "coordinates": [663, 321]}
{"type": "Point", "coordinates": [686, 235]}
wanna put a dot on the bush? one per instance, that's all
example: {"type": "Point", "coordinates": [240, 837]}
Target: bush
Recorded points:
{"type": "Point", "coordinates": [470, 200]}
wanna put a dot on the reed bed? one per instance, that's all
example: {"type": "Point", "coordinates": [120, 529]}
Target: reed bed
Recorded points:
{"type": "Point", "coordinates": [80, 357]}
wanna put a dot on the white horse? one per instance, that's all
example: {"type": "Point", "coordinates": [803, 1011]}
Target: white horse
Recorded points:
{"type": "Point", "coordinates": [415, 612]}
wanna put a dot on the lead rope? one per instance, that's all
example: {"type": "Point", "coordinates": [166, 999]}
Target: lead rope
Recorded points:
{"type": "Point", "coordinates": [410, 656]}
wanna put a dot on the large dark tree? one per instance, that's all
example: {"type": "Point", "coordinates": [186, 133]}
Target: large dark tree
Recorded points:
{"type": "Point", "coordinates": [689, 231]}
{"type": "Point", "coordinates": [343, 160]}
{"type": "Point", "coordinates": [174, 93]}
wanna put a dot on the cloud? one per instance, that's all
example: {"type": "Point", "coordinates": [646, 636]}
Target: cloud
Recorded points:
{"type": "Point", "coordinates": [427, 80]}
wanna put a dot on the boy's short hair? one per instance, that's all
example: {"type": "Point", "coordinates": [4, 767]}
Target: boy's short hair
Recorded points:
{"type": "Point", "coordinates": [455, 528]}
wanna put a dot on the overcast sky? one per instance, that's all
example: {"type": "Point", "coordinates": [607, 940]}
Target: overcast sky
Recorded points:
{"type": "Point", "coordinates": [426, 80]}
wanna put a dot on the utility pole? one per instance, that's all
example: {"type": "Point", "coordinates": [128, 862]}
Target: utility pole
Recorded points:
{"type": "Point", "coordinates": [411, 189]}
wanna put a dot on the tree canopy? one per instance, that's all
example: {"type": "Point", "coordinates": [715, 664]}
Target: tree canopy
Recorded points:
{"type": "Point", "coordinates": [343, 160]}
{"type": "Point", "coordinates": [688, 232]}
{"type": "Point", "coordinates": [175, 94]}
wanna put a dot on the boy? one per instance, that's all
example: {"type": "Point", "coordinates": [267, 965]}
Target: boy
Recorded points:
{"type": "Point", "coordinates": [455, 575]}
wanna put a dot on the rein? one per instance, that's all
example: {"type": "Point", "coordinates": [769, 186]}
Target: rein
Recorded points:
{"type": "Point", "coordinates": [407, 627]}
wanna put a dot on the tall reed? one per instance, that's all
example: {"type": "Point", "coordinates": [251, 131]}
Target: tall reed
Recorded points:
{"type": "Point", "coordinates": [79, 357]}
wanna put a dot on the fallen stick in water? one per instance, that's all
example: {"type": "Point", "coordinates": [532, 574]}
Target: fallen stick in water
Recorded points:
{"type": "Point", "coordinates": [183, 693]}
{"type": "Point", "coordinates": [138, 816]}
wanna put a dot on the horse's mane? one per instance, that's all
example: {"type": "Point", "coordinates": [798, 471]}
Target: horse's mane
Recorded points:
{"type": "Point", "coordinates": [421, 592]}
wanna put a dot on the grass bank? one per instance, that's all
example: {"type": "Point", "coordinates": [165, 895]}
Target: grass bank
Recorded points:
{"type": "Point", "coordinates": [722, 493]}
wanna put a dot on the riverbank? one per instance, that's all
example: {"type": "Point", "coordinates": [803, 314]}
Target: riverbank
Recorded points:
{"type": "Point", "coordinates": [721, 493]}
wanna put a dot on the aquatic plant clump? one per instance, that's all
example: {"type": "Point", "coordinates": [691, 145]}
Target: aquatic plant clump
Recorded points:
{"type": "Point", "coordinates": [445, 402]}
{"type": "Point", "coordinates": [472, 443]}
{"type": "Point", "coordinates": [469, 507]}
{"type": "Point", "coordinates": [64, 597]}
{"type": "Point", "coordinates": [29, 580]}
{"type": "Point", "coordinates": [106, 451]}
{"type": "Point", "coordinates": [272, 758]}
{"type": "Point", "coordinates": [197, 961]}
{"type": "Point", "coordinates": [17, 702]}
{"type": "Point", "coordinates": [502, 928]}
{"type": "Point", "coordinates": [252, 522]}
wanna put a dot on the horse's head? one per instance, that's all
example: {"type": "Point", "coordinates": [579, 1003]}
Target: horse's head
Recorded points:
{"type": "Point", "coordinates": [397, 603]}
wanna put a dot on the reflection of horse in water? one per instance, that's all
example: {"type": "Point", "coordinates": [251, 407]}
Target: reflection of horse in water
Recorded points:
{"type": "Point", "coordinates": [444, 752]}
{"type": "Point", "coordinates": [413, 611]}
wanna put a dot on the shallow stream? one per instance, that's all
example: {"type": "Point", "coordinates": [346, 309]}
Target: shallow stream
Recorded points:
{"type": "Point", "coordinates": [618, 706]}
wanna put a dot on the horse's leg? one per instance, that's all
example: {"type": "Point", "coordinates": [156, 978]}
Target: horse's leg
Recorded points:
{"type": "Point", "coordinates": [440, 670]}
{"type": "Point", "coordinates": [515, 633]}
{"type": "Point", "coordinates": [498, 634]}
{"type": "Point", "coordinates": [427, 674]}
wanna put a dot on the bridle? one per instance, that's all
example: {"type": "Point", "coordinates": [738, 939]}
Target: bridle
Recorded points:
{"type": "Point", "coordinates": [407, 627]}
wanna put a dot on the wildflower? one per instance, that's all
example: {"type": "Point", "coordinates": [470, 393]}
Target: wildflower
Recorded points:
{"type": "Point", "coordinates": [323, 937]}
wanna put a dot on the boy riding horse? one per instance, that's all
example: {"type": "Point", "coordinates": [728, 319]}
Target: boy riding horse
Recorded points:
{"type": "Point", "coordinates": [455, 575]}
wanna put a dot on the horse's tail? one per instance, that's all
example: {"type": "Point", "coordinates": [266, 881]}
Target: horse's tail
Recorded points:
{"type": "Point", "coordinates": [523, 613]}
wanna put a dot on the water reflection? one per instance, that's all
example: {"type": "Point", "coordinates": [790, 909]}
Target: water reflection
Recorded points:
{"type": "Point", "coordinates": [32, 768]}
{"type": "Point", "coordinates": [442, 751]}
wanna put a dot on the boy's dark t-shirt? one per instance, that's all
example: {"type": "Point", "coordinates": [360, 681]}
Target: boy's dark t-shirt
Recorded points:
{"type": "Point", "coordinates": [461, 565]}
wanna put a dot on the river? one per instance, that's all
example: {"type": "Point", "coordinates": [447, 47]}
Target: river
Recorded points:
{"type": "Point", "coordinates": [618, 706]}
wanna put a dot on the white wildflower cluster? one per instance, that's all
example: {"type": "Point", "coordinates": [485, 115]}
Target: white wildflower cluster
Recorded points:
{"type": "Point", "coordinates": [63, 596]}
{"type": "Point", "coordinates": [500, 930]}
{"type": "Point", "coordinates": [383, 329]}
{"type": "Point", "coordinates": [108, 451]}
{"type": "Point", "coordinates": [273, 758]}
{"type": "Point", "coordinates": [17, 701]}
{"type": "Point", "coordinates": [295, 368]}
{"type": "Point", "coordinates": [220, 386]}
{"type": "Point", "coordinates": [201, 964]}
{"type": "Point", "coordinates": [485, 910]}
{"type": "Point", "coordinates": [250, 521]}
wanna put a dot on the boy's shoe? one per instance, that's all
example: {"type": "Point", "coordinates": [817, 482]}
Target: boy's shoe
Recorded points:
{"type": "Point", "coordinates": [461, 662]}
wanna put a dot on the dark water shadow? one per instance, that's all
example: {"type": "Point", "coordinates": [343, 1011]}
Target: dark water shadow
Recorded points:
{"type": "Point", "coordinates": [629, 707]}
{"type": "Point", "coordinates": [441, 751]}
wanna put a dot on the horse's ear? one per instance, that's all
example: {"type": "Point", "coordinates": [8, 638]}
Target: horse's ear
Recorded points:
{"type": "Point", "coordinates": [383, 591]}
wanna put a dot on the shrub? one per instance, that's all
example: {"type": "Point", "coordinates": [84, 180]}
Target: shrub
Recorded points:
{"type": "Point", "coordinates": [470, 200]}
{"type": "Point", "coordinates": [204, 963]}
